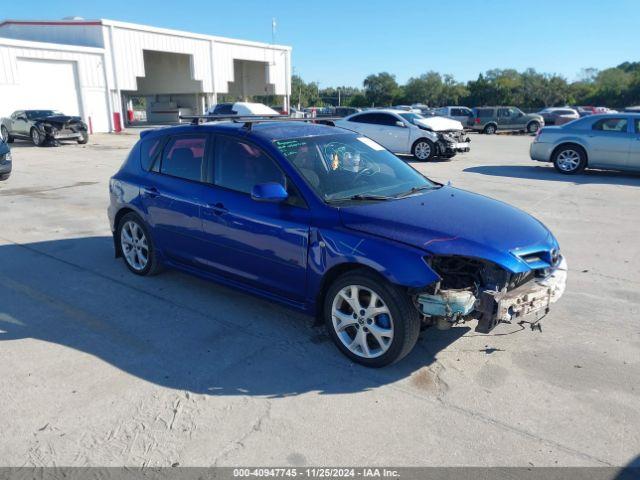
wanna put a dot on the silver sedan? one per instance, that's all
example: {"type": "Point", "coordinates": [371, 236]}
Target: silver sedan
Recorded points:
{"type": "Point", "coordinates": [608, 141]}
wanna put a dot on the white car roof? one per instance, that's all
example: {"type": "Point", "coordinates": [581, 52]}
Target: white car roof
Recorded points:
{"type": "Point", "coordinates": [248, 108]}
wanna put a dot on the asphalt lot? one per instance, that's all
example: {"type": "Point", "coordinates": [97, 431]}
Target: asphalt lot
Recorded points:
{"type": "Point", "coordinates": [99, 367]}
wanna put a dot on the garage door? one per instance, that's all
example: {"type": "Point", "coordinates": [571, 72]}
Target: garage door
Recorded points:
{"type": "Point", "coordinates": [46, 84]}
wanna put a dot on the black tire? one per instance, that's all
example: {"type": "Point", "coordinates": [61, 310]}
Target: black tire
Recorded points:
{"type": "Point", "coordinates": [562, 166]}
{"type": "Point", "coordinates": [533, 126]}
{"type": "Point", "coordinates": [420, 147]}
{"type": "Point", "coordinates": [36, 137]}
{"type": "Point", "coordinates": [152, 266]}
{"type": "Point", "coordinates": [5, 135]}
{"type": "Point", "coordinates": [490, 129]}
{"type": "Point", "coordinates": [84, 139]}
{"type": "Point", "coordinates": [404, 315]}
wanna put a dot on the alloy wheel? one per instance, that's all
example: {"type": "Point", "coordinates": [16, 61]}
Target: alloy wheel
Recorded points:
{"type": "Point", "coordinates": [135, 246]}
{"type": "Point", "coordinates": [362, 321]}
{"type": "Point", "coordinates": [568, 160]}
{"type": "Point", "coordinates": [35, 136]}
{"type": "Point", "coordinates": [422, 151]}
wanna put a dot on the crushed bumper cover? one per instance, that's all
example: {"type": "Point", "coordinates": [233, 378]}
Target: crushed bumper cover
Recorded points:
{"type": "Point", "coordinates": [531, 299]}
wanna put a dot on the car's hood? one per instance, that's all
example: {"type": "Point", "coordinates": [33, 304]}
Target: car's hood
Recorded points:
{"type": "Point", "coordinates": [448, 221]}
{"type": "Point", "coordinates": [58, 119]}
{"type": "Point", "coordinates": [439, 124]}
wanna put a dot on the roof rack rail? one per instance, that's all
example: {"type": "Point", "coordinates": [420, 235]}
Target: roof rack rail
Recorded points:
{"type": "Point", "coordinates": [249, 120]}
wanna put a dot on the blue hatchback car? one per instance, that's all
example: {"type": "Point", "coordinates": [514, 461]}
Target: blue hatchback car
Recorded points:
{"type": "Point", "coordinates": [331, 223]}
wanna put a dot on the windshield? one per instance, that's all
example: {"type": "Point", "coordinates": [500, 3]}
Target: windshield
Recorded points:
{"type": "Point", "coordinates": [33, 114]}
{"type": "Point", "coordinates": [344, 166]}
{"type": "Point", "coordinates": [411, 117]}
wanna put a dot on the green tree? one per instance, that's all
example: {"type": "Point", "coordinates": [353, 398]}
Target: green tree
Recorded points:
{"type": "Point", "coordinates": [380, 89]}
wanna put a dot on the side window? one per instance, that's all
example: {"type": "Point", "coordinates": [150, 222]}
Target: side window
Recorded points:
{"type": "Point", "coordinates": [457, 112]}
{"type": "Point", "coordinates": [611, 125]}
{"type": "Point", "coordinates": [485, 112]}
{"type": "Point", "coordinates": [150, 149]}
{"type": "Point", "coordinates": [386, 119]}
{"type": "Point", "coordinates": [240, 166]}
{"type": "Point", "coordinates": [637, 122]}
{"type": "Point", "coordinates": [183, 157]}
{"type": "Point", "coordinates": [503, 112]}
{"type": "Point", "coordinates": [364, 118]}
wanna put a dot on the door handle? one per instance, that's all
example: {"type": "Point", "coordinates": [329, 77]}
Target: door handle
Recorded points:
{"type": "Point", "coordinates": [150, 192]}
{"type": "Point", "coordinates": [218, 209]}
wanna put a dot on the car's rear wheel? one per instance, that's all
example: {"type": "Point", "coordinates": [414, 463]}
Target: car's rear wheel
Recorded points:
{"type": "Point", "coordinates": [533, 127]}
{"type": "Point", "coordinates": [36, 137]}
{"type": "Point", "coordinates": [569, 159]}
{"type": "Point", "coordinates": [423, 149]}
{"type": "Point", "coordinates": [136, 245]}
{"type": "Point", "coordinates": [371, 321]}
{"type": "Point", "coordinates": [5, 135]}
{"type": "Point", "coordinates": [84, 138]}
{"type": "Point", "coordinates": [489, 129]}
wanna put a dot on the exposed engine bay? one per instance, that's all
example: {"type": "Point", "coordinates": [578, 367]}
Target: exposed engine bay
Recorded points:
{"type": "Point", "coordinates": [477, 289]}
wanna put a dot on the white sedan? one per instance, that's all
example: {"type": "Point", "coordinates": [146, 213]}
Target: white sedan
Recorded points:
{"type": "Point", "coordinates": [405, 132]}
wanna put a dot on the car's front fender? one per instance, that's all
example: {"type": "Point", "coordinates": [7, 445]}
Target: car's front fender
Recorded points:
{"type": "Point", "coordinates": [398, 263]}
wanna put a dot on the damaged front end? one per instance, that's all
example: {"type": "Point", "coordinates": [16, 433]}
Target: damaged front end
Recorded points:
{"type": "Point", "coordinates": [471, 288]}
{"type": "Point", "coordinates": [451, 142]}
{"type": "Point", "coordinates": [61, 127]}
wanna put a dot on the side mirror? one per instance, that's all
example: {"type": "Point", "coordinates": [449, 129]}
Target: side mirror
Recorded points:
{"type": "Point", "coordinates": [400, 124]}
{"type": "Point", "coordinates": [269, 192]}
{"type": "Point", "coordinates": [520, 114]}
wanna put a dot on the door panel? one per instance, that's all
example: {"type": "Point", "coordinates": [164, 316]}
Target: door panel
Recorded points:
{"type": "Point", "coordinates": [173, 196]}
{"type": "Point", "coordinates": [390, 135]}
{"type": "Point", "coordinates": [259, 243]}
{"type": "Point", "coordinates": [633, 161]}
{"type": "Point", "coordinates": [610, 143]}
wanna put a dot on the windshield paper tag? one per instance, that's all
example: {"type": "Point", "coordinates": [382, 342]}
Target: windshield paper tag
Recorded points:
{"type": "Point", "coordinates": [370, 143]}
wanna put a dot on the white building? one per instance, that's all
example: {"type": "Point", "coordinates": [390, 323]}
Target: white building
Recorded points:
{"type": "Point", "coordinates": [94, 68]}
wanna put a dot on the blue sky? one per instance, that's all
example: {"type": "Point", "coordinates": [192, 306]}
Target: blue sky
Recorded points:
{"type": "Point", "coordinates": [340, 42]}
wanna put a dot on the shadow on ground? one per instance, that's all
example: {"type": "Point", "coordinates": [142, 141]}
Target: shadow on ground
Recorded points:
{"type": "Point", "coordinates": [177, 331]}
{"type": "Point", "coordinates": [548, 173]}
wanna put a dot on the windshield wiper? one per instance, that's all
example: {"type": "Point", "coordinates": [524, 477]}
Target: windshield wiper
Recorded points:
{"type": "Point", "coordinates": [360, 196]}
{"type": "Point", "coordinates": [367, 196]}
{"type": "Point", "coordinates": [414, 190]}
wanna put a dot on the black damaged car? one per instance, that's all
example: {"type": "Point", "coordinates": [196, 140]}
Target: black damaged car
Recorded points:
{"type": "Point", "coordinates": [5, 161]}
{"type": "Point", "coordinates": [43, 127]}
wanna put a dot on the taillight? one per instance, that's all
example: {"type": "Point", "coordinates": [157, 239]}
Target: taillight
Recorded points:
{"type": "Point", "coordinates": [477, 120]}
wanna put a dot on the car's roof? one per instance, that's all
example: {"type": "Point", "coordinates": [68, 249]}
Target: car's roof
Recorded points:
{"type": "Point", "coordinates": [385, 110]}
{"type": "Point", "coordinates": [269, 131]}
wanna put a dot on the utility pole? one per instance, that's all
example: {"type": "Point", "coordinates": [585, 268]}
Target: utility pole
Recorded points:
{"type": "Point", "coordinates": [338, 96]}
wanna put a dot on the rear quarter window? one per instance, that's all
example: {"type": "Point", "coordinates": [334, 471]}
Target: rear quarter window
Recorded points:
{"type": "Point", "coordinates": [150, 149]}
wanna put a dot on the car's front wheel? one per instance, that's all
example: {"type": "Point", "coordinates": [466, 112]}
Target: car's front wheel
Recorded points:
{"type": "Point", "coordinates": [569, 159]}
{"type": "Point", "coordinates": [423, 149]}
{"type": "Point", "coordinates": [36, 137]}
{"type": "Point", "coordinates": [84, 138]}
{"type": "Point", "coordinates": [371, 321]}
{"type": "Point", "coordinates": [136, 245]}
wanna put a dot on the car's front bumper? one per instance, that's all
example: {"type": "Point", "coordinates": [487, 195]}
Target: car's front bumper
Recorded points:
{"type": "Point", "coordinates": [5, 166]}
{"type": "Point", "coordinates": [529, 301]}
